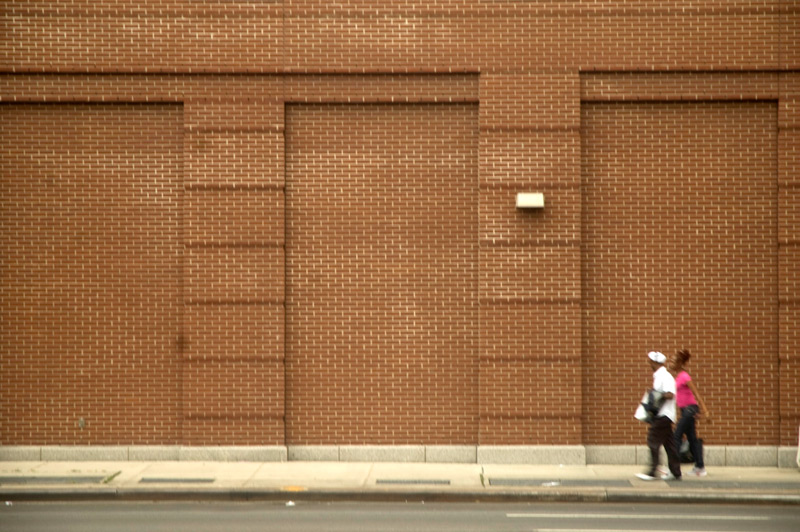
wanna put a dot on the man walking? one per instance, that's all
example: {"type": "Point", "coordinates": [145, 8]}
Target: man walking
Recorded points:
{"type": "Point", "coordinates": [660, 432]}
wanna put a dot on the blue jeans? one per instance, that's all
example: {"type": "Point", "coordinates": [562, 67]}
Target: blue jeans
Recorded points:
{"type": "Point", "coordinates": [686, 425]}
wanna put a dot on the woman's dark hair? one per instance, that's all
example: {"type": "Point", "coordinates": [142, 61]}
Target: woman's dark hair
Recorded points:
{"type": "Point", "coordinates": [683, 356]}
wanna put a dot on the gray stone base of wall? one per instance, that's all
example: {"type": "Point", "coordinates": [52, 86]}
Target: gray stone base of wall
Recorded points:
{"type": "Point", "coordinates": [715, 455]}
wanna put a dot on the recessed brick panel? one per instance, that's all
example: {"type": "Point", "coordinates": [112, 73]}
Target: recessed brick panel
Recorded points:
{"type": "Point", "coordinates": [680, 251]}
{"type": "Point", "coordinates": [382, 274]}
{"type": "Point", "coordinates": [91, 274]}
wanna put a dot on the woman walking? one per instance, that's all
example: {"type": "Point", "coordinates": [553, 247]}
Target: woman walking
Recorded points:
{"type": "Point", "coordinates": [688, 401]}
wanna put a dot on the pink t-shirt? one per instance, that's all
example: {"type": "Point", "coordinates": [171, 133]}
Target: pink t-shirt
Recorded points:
{"type": "Point", "coordinates": [684, 396]}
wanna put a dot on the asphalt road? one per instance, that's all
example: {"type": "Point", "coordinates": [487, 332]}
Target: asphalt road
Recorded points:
{"type": "Point", "coordinates": [386, 517]}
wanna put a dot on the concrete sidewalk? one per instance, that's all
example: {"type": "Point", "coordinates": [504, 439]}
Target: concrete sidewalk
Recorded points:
{"type": "Point", "coordinates": [285, 481]}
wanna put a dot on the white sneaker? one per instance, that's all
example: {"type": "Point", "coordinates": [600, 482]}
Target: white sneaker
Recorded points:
{"type": "Point", "coordinates": [668, 476]}
{"type": "Point", "coordinates": [645, 476]}
{"type": "Point", "coordinates": [699, 472]}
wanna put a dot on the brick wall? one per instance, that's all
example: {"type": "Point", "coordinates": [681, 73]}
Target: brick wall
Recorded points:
{"type": "Point", "coordinates": [163, 278]}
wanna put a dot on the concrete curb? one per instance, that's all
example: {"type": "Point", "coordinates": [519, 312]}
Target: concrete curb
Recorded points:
{"type": "Point", "coordinates": [610, 495]}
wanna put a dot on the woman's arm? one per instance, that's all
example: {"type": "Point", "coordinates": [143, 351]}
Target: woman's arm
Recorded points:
{"type": "Point", "coordinates": [703, 409]}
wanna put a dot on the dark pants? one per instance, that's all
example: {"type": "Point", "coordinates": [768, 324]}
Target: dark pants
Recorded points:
{"type": "Point", "coordinates": [660, 433]}
{"type": "Point", "coordinates": [686, 425]}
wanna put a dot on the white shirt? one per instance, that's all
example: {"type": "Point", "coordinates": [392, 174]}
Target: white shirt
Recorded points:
{"type": "Point", "coordinates": [664, 382]}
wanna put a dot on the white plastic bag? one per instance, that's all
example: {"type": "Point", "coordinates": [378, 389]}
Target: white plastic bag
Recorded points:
{"type": "Point", "coordinates": [641, 413]}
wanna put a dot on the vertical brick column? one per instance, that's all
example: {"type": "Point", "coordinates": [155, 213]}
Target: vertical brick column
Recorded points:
{"type": "Point", "coordinates": [530, 342]}
{"type": "Point", "coordinates": [232, 367]}
{"type": "Point", "coordinates": [789, 255]}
